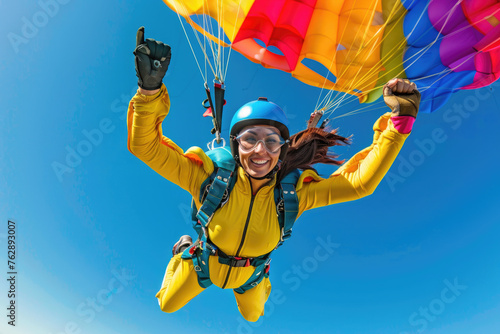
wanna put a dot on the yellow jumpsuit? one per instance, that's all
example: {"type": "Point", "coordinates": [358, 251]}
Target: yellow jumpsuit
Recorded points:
{"type": "Point", "coordinates": [247, 226]}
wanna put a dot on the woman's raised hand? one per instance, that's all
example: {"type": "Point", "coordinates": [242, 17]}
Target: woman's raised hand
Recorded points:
{"type": "Point", "coordinates": [402, 96]}
{"type": "Point", "coordinates": [151, 62]}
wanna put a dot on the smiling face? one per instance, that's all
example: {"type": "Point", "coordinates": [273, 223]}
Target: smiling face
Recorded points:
{"type": "Point", "coordinates": [258, 162]}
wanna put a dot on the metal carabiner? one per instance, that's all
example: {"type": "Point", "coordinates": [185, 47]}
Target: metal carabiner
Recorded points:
{"type": "Point", "coordinates": [211, 144]}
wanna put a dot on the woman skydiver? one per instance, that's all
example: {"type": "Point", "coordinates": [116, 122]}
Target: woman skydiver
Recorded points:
{"type": "Point", "coordinates": [246, 227]}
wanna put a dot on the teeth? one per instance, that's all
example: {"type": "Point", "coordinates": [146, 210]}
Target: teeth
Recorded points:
{"type": "Point", "coordinates": [259, 162]}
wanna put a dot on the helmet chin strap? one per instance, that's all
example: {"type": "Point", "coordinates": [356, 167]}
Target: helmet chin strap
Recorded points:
{"type": "Point", "coordinates": [269, 175]}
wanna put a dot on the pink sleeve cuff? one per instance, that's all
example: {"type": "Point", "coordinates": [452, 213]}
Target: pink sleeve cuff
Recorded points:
{"type": "Point", "coordinates": [403, 124]}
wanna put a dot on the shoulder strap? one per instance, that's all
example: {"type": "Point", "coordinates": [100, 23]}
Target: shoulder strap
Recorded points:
{"type": "Point", "coordinates": [287, 204]}
{"type": "Point", "coordinates": [215, 188]}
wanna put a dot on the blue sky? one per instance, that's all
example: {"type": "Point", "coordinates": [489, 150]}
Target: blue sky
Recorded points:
{"type": "Point", "coordinates": [419, 255]}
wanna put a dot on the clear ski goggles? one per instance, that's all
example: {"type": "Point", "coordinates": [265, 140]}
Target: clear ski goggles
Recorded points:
{"type": "Point", "coordinates": [250, 138]}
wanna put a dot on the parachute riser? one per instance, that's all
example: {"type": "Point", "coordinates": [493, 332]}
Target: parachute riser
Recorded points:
{"type": "Point", "coordinates": [315, 118]}
{"type": "Point", "coordinates": [215, 108]}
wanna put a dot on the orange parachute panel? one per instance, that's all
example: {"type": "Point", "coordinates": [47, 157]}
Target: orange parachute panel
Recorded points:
{"type": "Point", "coordinates": [343, 36]}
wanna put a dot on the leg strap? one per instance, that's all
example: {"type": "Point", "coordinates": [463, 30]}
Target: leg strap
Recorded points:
{"type": "Point", "coordinates": [258, 275]}
{"type": "Point", "coordinates": [200, 255]}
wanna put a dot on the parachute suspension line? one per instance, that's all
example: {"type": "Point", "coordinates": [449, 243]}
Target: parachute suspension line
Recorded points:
{"type": "Point", "coordinates": [233, 34]}
{"type": "Point", "coordinates": [220, 58]}
{"type": "Point", "coordinates": [372, 71]}
{"type": "Point", "coordinates": [447, 72]}
{"type": "Point", "coordinates": [207, 26]}
{"type": "Point", "coordinates": [418, 55]}
{"type": "Point", "coordinates": [192, 23]}
{"type": "Point", "coordinates": [336, 101]}
{"type": "Point", "coordinates": [427, 47]}
{"type": "Point", "coordinates": [326, 100]}
{"type": "Point", "coordinates": [422, 89]}
{"type": "Point", "coordinates": [421, 52]}
{"type": "Point", "coordinates": [363, 40]}
{"type": "Point", "coordinates": [370, 107]}
{"type": "Point", "coordinates": [450, 70]}
{"type": "Point", "coordinates": [360, 111]}
{"type": "Point", "coordinates": [215, 50]}
{"type": "Point", "coordinates": [328, 95]}
{"type": "Point", "coordinates": [363, 79]}
{"type": "Point", "coordinates": [333, 105]}
{"type": "Point", "coordinates": [402, 44]}
{"type": "Point", "coordinates": [353, 98]}
{"type": "Point", "coordinates": [214, 106]}
{"type": "Point", "coordinates": [189, 42]}
{"type": "Point", "coordinates": [381, 62]}
{"type": "Point", "coordinates": [219, 91]}
{"type": "Point", "coordinates": [205, 41]}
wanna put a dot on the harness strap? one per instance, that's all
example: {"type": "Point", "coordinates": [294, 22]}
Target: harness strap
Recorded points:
{"type": "Point", "coordinates": [200, 255]}
{"type": "Point", "coordinates": [235, 261]}
{"type": "Point", "coordinates": [258, 275]}
{"type": "Point", "coordinates": [214, 196]}
{"type": "Point", "coordinates": [201, 251]}
{"type": "Point", "coordinates": [287, 204]}
{"type": "Point", "coordinates": [291, 209]}
{"type": "Point", "coordinates": [215, 191]}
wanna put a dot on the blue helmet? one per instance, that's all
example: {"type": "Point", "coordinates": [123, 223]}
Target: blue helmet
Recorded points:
{"type": "Point", "coordinates": [260, 112]}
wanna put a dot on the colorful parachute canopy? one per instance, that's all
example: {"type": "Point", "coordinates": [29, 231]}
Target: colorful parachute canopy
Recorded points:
{"type": "Point", "coordinates": [465, 54]}
{"type": "Point", "coordinates": [443, 45]}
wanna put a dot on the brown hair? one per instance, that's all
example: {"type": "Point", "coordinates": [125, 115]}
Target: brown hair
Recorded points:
{"type": "Point", "coordinates": [309, 147]}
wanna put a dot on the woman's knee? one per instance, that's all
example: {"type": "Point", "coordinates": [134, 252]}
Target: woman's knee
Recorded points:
{"type": "Point", "coordinates": [250, 308]}
{"type": "Point", "coordinates": [251, 303]}
{"type": "Point", "coordinates": [166, 301]}
{"type": "Point", "coordinates": [251, 315]}
{"type": "Point", "coordinates": [168, 306]}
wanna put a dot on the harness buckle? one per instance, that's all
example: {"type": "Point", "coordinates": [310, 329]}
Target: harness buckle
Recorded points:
{"type": "Point", "coordinates": [281, 206]}
{"type": "Point", "coordinates": [212, 248]}
{"type": "Point", "coordinates": [239, 262]}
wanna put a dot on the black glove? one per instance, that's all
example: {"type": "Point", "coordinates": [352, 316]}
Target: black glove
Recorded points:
{"type": "Point", "coordinates": [402, 96]}
{"type": "Point", "coordinates": [151, 61]}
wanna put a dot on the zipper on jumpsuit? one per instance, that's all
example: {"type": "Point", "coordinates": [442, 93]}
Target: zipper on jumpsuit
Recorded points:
{"type": "Point", "coordinates": [243, 236]}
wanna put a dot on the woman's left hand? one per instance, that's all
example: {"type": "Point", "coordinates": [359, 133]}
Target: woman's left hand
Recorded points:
{"type": "Point", "coordinates": [402, 96]}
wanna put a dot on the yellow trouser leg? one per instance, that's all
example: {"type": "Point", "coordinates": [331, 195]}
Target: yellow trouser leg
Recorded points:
{"type": "Point", "coordinates": [179, 286]}
{"type": "Point", "coordinates": [251, 303]}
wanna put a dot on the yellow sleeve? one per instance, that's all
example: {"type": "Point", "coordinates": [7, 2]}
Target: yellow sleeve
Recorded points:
{"type": "Point", "coordinates": [359, 176]}
{"type": "Point", "coordinates": [146, 141]}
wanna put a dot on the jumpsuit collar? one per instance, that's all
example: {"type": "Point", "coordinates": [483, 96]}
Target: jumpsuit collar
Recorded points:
{"type": "Point", "coordinates": [244, 184]}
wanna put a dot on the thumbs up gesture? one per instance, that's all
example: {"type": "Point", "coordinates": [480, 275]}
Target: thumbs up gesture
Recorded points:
{"type": "Point", "coordinates": [151, 61]}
